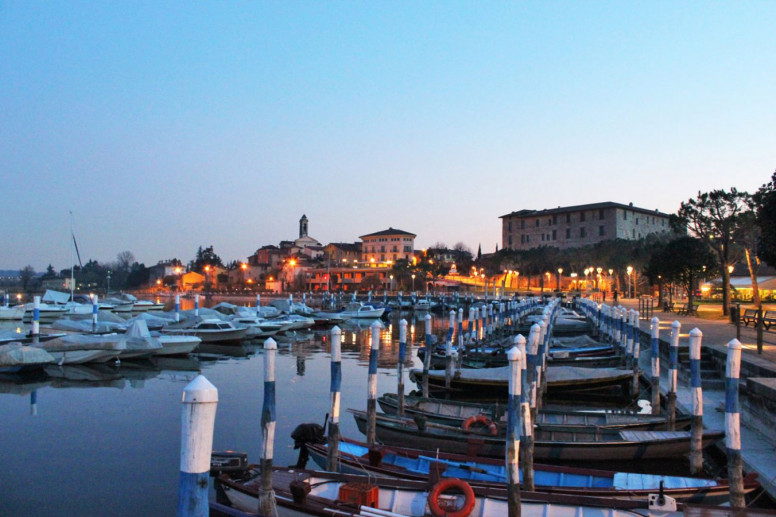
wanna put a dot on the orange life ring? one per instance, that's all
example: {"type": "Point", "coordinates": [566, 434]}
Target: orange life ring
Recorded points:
{"type": "Point", "coordinates": [482, 420]}
{"type": "Point", "coordinates": [447, 484]}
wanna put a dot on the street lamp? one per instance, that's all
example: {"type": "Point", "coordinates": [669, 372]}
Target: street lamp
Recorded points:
{"type": "Point", "coordinates": [293, 273]}
{"type": "Point", "coordinates": [587, 272]}
{"type": "Point", "coordinates": [560, 272]}
{"type": "Point", "coordinates": [413, 282]}
{"type": "Point", "coordinates": [391, 286]}
{"type": "Point", "coordinates": [573, 279]}
{"type": "Point", "coordinates": [107, 290]}
{"type": "Point", "coordinates": [629, 270]}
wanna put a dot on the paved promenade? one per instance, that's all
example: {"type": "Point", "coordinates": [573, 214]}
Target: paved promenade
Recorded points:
{"type": "Point", "coordinates": [758, 451]}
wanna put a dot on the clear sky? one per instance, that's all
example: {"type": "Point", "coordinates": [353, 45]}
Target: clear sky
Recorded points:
{"type": "Point", "coordinates": [164, 126]}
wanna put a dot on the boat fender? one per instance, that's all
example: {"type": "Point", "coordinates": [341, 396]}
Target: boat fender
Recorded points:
{"type": "Point", "coordinates": [448, 484]}
{"type": "Point", "coordinates": [483, 421]}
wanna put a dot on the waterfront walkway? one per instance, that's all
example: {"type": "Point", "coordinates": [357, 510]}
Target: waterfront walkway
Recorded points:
{"type": "Point", "coordinates": [758, 447]}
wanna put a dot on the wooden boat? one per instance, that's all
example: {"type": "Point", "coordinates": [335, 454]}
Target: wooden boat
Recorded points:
{"type": "Point", "coordinates": [381, 460]}
{"type": "Point", "coordinates": [300, 492]}
{"type": "Point", "coordinates": [549, 445]}
{"type": "Point", "coordinates": [494, 381]}
{"type": "Point", "coordinates": [455, 413]}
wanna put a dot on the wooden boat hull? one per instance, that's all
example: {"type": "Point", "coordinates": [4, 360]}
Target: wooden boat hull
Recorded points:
{"type": "Point", "coordinates": [665, 445]}
{"type": "Point", "coordinates": [381, 460]}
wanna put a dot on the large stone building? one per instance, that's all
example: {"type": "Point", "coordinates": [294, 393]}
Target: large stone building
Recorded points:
{"type": "Point", "coordinates": [581, 225]}
{"type": "Point", "coordinates": [387, 245]}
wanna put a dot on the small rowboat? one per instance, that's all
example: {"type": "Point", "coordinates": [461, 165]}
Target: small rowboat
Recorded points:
{"type": "Point", "coordinates": [455, 413]}
{"type": "Point", "coordinates": [554, 445]}
{"type": "Point", "coordinates": [401, 462]}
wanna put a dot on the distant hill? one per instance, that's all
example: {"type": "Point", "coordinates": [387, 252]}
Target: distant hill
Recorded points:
{"type": "Point", "coordinates": [9, 272]}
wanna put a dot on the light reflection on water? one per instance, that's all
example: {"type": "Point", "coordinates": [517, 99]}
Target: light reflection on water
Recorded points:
{"type": "Point", "coordinates": [105, 439]}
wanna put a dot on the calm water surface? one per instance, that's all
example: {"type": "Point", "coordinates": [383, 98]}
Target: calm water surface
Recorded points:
{"type": "Point", "coordinates": [105, 440]}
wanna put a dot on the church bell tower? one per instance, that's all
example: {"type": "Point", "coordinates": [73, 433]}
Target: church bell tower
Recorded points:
{"type": "Point", "coordinates": [303, 226]}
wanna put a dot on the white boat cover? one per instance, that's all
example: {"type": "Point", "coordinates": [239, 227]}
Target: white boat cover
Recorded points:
{"type": "Point", "coordinates": [16, 354]}
{"type": "Point", "coordinates": [55, 297]}
{"type": "Point", "coordinates": [85, 325]}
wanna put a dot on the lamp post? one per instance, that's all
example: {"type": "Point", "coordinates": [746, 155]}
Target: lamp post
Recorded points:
{"type": "Point", "coordinates": [484, 285]}
{"type": "Point", "coordinates": [560, 272]}
{"type": "Point", "coordinates": [390, 287]}
{"type": "Point", "coordinates": [587, 272]}
{"type": "Point", "coordinates": [573, 279]}
{"type": "Point", "coordinates": [107, 289]}
{"type": "Point", "coordinates": [629, 270]}
{"type": "Point", "coordinates": [611, 284]}
{"type": "Point", "coordinates": [293, 273]}
{"type": "Point", "coordinates": [413, 282]}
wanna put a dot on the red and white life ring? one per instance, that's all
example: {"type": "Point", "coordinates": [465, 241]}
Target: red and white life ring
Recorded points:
{"type": "Point", "coordinates": [447, 484]}
{"type": "Point", "coordinates": [483, 421]}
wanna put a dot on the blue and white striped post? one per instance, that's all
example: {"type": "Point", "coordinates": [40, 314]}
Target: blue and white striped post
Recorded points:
{"type": "Point", "coordinates": [35, 318]}
{"type": "Point", "coordinates": [513, 433]}
{"type": "Point", "coordinates": [696, 440]}
{"type": "Point", "coordinates": [200, 400]}
{"type": "Point", "coordinates": [196, 305]}
{"type": "Point", "coordinates": [451, 328]}
{"type": "Point", "coordinates": [459, 337]}
{"type": "Point", "coordinates": [371, 402]}
{"type": "Point", "coordinates": [332, 458]}
{"type": "Point", "coordinates": [369, 297]}
{"type": "Point", "coordinates": [400, 367]}
{"type": "Point", "coordinates": [629, 333]}
{"type": "Point", "coordinates": [673, 374]}
{"type": "Point", "coordinates": [177, 307]}
{"type": "Point", "coordinates": [483, 321]}
{"type": "Point", "coordinates": [258, 305]}
{"type": "Point", "coordinates": [449, 350]}
{"type": "Point", "coordinates": [733, 425]}
{"type": "Point", "coordinates": [95, 309]}
{"type": "Point", "coordinates": [636, 351]}
{"type": "Point", "coordinates": [427, 357]}
{"type": "Point", "coordinates": [526, 442]}
{"type": "Point", "coordinates": [655, 357]}
{"type": "Point", "coordinates": [34, 402]}
{"type": "Point", "coordinates": [470, 327]}
{"type": "Point", "coordinates": [267, 504]}
{"type": "Point", "coordinates": [542, 362]}
{"type": "Point", "coordinates": [534, 365]}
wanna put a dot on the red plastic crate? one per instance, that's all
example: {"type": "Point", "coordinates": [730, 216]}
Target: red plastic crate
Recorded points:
{"type": "Point", "coordinates": [362, 494]}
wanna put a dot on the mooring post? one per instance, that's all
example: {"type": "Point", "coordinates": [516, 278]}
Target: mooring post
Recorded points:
{"type": "Point", "coordinates": [636, 352]}
{"type": "Point", "coordinates": [427, 357]}
{"type": "Point", "coordinates": [200, 399]}
{"type": "Point", "coordinates": [696, 440]}
{"type": "Point", "coordinates": [459, 337]}
{"type": "Point", "coordinates": [35, 318]}
{"type": "Point", "coordinates": [541, 381]}
{"type": "Point", "coordinates": [470, 326]}
{"type": "Point", "coordinates": [400, 367]}
{"type": "Point", "coordinates": [526, 443]}
{"type": "Point", "coordinates": [673, 374]}
{"type": "Point", "coordinates": [371, 403]}
{"type": "Point", "coordinates": [196, 305]}
{"type": "Point", "coordinates": [629, 332]}
{"type": "Point", "coordinates": [513, 433]}
{"type": "Point", "coordinates": [258, 305]}
{"type": "Point", "coordinates": [449, 351]}
{"type": "Point", "coordinates": [95, 309]}
{"type": "Point", "coordinates": [534, 366]}
{"type": "Point", "coordinates": [332, 458]}
{"type": "Point", "coordinates": [177, 307]}
{"type": "Point", "coordinates": [451, 328]}
{"type": "Point", "coordinates": [655, 353]}
{"type": "Point", "coordinates": [733, 425]}
{"type": "Point", "coordinates": [267, 504]}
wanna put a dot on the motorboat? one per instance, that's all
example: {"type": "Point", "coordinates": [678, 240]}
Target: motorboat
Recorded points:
{"type": "Point", "coordinates": [15, 357]}
{"type": "Point", "coordinates": [209, 331]}
{"type": "Point", "coordinates": [84, 348]}
{"type": "Point", "coordinates": [259, 327]}
{"type": "Point", "coordinates": [12, 313]}
{"type": "Point", "coordinates": [355, 310]}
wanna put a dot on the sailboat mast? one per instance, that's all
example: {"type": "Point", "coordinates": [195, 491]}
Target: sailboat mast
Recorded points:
{"type": "Point", "coordinates": [72, 259]}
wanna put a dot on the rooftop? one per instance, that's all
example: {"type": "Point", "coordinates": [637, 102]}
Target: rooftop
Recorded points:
{"type": "Point", "coordinates": [578, 208]}
{"type": "Point", "coordinates": [389, 231]}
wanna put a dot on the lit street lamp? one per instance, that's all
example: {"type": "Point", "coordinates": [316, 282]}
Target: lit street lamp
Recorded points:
{"type": "Point", "coordinates": [413, 282]}
{"type": "Point", "coordinates": [629, 270]}
{"type": "Point", "coordinates": [560, 272]}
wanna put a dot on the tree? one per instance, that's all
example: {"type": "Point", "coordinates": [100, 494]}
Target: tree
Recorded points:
{"type": "Point", "coordinates": [713, 217]}
{"type": "Point", "coordinates": [682, 261]}
{"type": "Point", "coordinates": [26, 275]}
{"type": "Point", "coordinates": [124, 261]}
{"type": "Point", "coordinates": [765, 208]}
{"type": "Point", "coordinates": [747, 236]}
{"type": "Point", "coordinates": [205, 257]}
{"type": "Point", "coordinates": [50, 273]}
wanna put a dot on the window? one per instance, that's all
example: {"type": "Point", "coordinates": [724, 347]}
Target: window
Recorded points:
{"type": "Point", "coordinates": [509, 226]}
{"type": "Point", "coordinates": [510, 240]}
{"type": "Point", "coordinates": [624, 215]}
{"type": "Point", "coordinates": [542, 237]}
{"type": "Point", "coordinates": [408, 249]}
{"type": "Point", "coordinates": [522, 239]}
{"type": "Point", "coordinates": [582, 216]}
{"type": "Point", "coordinates": [382, 249]}
{"type": "Point", "coordinates": [582, 232]}
{"type": "Point", "coordinates": [568, 233]}
{"type": "Point", "coordinates": [549, 222]}
{"type": "Point", "coordinates": [382, 258]}
{"type": "Point", "coordinates": [522, 224]}
{"type": "Point", "coordinates": [554, 219]}
{"type": "Point", "coordinates": [568, 218]}
{"type": "Point", "coordinates": [537, 223]}
{"type": "Point", "coordinates": [633, 233]}
{"type": "Point", "coordinates": [601, 230]}
{"type": "Point", "coordinates": [527, 238]}
{"type": "Point", "coordinates": [601, 214]}
{"type": "Point", "coordinates": [555, 235]}
{"type": "Point", "coordinates": [637, 220]}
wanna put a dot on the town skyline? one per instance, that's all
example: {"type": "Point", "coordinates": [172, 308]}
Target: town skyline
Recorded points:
{"type": "Point", "coordinates": [163, 127]}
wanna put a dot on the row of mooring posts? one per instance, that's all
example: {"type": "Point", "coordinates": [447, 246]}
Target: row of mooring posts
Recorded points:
{"type": "Point", "coordinates": [622, 327]}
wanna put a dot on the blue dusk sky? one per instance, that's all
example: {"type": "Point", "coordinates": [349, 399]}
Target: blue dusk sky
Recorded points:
{"type": "Point", "coordinates": [164, 126]}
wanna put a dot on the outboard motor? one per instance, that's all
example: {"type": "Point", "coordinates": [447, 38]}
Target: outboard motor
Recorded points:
{"type": "Point", "coordinates": [304, 434]}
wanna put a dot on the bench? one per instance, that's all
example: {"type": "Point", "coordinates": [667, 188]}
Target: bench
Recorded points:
{"type": "Point", "coordinates": [689, 310]}
{"type": "Point", "coordinates": [750, 316]}
{"type": "Point", "coordinates": [668, 306]}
